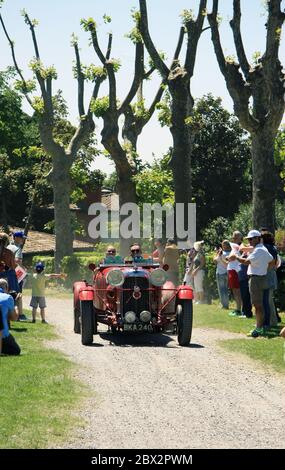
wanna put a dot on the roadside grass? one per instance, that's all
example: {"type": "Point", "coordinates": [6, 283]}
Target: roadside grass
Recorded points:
{"type": "Point", "coordinates": [269, 352]}
{"type": "Point", "coordinates": [38, 392]}
{"type": "Point", "coordinates": [270, 349]}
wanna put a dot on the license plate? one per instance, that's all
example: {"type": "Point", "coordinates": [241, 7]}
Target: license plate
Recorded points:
{"type": "Point", "coordinates": [138, 327]}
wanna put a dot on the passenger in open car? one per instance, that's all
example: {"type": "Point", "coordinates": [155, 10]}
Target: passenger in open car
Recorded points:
{"type": "Point", "coordinates": [136, 253]}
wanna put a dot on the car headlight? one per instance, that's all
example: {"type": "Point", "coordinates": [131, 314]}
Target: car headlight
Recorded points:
{"type": "Point", "coordinates": [158, 277]}
{"type": "Point", "coordinates": [115, 278]}
{"type": "Point", "coordinates": [130, 317]}
{"type": "Point", "coordinates": [145, 316]}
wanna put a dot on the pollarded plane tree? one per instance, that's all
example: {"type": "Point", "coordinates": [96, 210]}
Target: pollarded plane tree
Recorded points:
{"type": "Point", "coordinates": [178, 79]}
{"type": "Point", "coordinates": [123, 152]}
{"type": "Point", "coordinates": [257, 91]}
{"type": "Point", "coordinates": [63, 156]}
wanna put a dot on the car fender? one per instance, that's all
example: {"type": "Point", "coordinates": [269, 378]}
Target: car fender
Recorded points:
{"type": "Point", "coordinates": [87, 293]}
{"type": "Point", "coordinates": [185, 293]}
{"type": "Point", "coordinates": [77, 287]}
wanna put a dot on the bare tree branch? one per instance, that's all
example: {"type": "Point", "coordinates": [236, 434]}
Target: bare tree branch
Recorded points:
{"type": "Point", "coordinates": [275, 22]}
{"type": "Point", "coordinates": [138, 77]}
{"type": "Point", "coordinates": [112, 87]}
{"type": "Point", "coordinates": [49, 88]}
{"type": "Point", "coordinates": [25, 90]}
{"type": "Point", "coordinates": [212, 18]}
{"type": "Point", "coordinates": [109, 48]}
{"type": "Point", "coordinates": [156, 100]}
{"type": "Point", "coordinates": [95, 93]}
{"type": "Point", "coordinates": [38, 74]}
{"type": "Point", "coordinates": [97, 48]}
{"type": "Point", "coordinates": [235, 25]}
{"type": "Point", "coordinates": [84, 129]}
{"type": "Point", "coordinates": [239, 91]}
{"type": "Point", "coordinates": [194, 30]}
{"type": "Point", "coordinates": [32, 28]}
{"type": "Point", "coordinates": [148, 73]}
{"type": "Point", "coordinates": [80, 81]}
{"type": "Point", "coordinates": [143, 26]}
{"type": "Point", "coordinates": [179, 44]}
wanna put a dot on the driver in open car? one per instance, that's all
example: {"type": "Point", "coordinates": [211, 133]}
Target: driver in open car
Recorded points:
{"type": "Point", "coordinates": [136, 253]}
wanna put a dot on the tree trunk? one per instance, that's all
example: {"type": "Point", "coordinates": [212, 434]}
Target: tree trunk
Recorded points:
{"type": "Point", "coordinates": [30, 213]}
{"type": "Point", "coordinates": [130, 135]}
{"type": "Point", "coordinates": [126, 186]}
{"type": "Point", "coordinates": [62, 215]}
{"type": "Point", "coordinates": [182, 105]}
{"type": "Point", "coordinates": [264, 179]}
{"type": "Point", "coordinates": [4, 213]}
{"type": "Point", "coordinates": [127, 194]}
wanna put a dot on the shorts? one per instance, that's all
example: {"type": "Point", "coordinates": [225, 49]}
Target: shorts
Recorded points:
{"type": "Point", "coordinates": [198, 281]}
{"type": "Point", "coordinates": [257, 284]}
{"type": "Point", "coordinates": [233, 280]}
{"type": "Point", "coordinates": [38, 301]}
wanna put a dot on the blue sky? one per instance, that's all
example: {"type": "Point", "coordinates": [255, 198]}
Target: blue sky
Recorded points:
{"type": "Point", "coordinates": [58, 19]}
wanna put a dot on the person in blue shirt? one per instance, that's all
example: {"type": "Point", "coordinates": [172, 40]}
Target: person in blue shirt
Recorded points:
{"type": "Point", "coordinates": [7, 309]}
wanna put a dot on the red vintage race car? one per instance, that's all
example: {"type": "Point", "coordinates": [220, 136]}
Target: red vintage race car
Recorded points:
{"type": "Point", "coordinates": [132, 297]}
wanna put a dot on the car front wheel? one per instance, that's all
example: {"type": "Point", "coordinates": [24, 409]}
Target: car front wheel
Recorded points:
{"type": "Point", "coordinates": [184, 314]}
{"type": "Point", "coordinates": [87, 321]}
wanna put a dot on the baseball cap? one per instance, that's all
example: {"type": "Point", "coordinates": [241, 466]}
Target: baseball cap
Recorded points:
{"type": "Point", "coordinates": [19, 234]}
{"type": "Point", "coordinates": [39, 265]}
{"type": "Point", "coordinates": [253, 233]}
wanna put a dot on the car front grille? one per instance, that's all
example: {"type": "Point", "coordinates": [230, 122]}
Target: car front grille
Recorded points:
{"type": "Point", "coordinates": [127, 300]}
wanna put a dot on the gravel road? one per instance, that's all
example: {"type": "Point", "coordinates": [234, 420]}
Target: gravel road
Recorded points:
{"type": "Point", "coordinates": [148, 392]}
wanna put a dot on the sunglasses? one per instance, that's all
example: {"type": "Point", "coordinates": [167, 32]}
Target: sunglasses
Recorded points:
{"type": "Point", "coordinates": [135, 251]}
{"type": "Point", "coordinates": [111, 251]}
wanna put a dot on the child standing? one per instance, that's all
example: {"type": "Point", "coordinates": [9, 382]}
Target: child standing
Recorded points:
{"type": "Point", "coordinates": [38, 290]}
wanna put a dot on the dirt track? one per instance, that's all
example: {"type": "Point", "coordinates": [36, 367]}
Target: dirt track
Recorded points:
{"type": "Point", "coordinates": [147, 392]}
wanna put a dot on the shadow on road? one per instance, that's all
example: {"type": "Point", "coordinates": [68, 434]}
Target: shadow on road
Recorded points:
{"type": "Point", "coordinates": [141, 340]}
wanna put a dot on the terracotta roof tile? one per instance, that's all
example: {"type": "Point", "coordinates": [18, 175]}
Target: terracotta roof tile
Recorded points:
{"type": "Point", "coordinates": [45, 242]}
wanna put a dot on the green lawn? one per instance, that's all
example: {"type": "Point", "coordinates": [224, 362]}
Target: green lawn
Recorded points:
{"type": "Point", "coordinates": [270, 350]}
{"type": "Point", "coordinates": [38, 391]}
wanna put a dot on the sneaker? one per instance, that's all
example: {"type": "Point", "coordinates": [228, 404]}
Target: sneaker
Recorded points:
{"type": "Point", "coordinates": [235, 313]}
{"type": "Point", "coordinates": [33, 321]}
{"type": "Point", "coordinates": [256, 332]}
{"type": "Point", "coordinates": [22, 318]}
{"type": "Point", "coordinates": [44, 321]}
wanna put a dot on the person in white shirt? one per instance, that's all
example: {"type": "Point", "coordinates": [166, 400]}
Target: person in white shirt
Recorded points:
{"type": "Point", "coordinates": [233, 268]}
{"type": "Point", "coordinates": [258, 262]}
{"type": "Point", "coordinates": [221, 272]}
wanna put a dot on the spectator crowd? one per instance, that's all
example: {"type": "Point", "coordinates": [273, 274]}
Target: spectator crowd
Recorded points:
{"type": "Point", "coordinates": [245, 266]}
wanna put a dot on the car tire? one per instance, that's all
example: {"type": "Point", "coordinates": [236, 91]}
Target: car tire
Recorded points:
{"type": "Point", "coordinates": [184, 313]}
{"type": "Point", "coordinates": [77, 327]}
{"type": "Point", "coordinates": [87, 322]}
